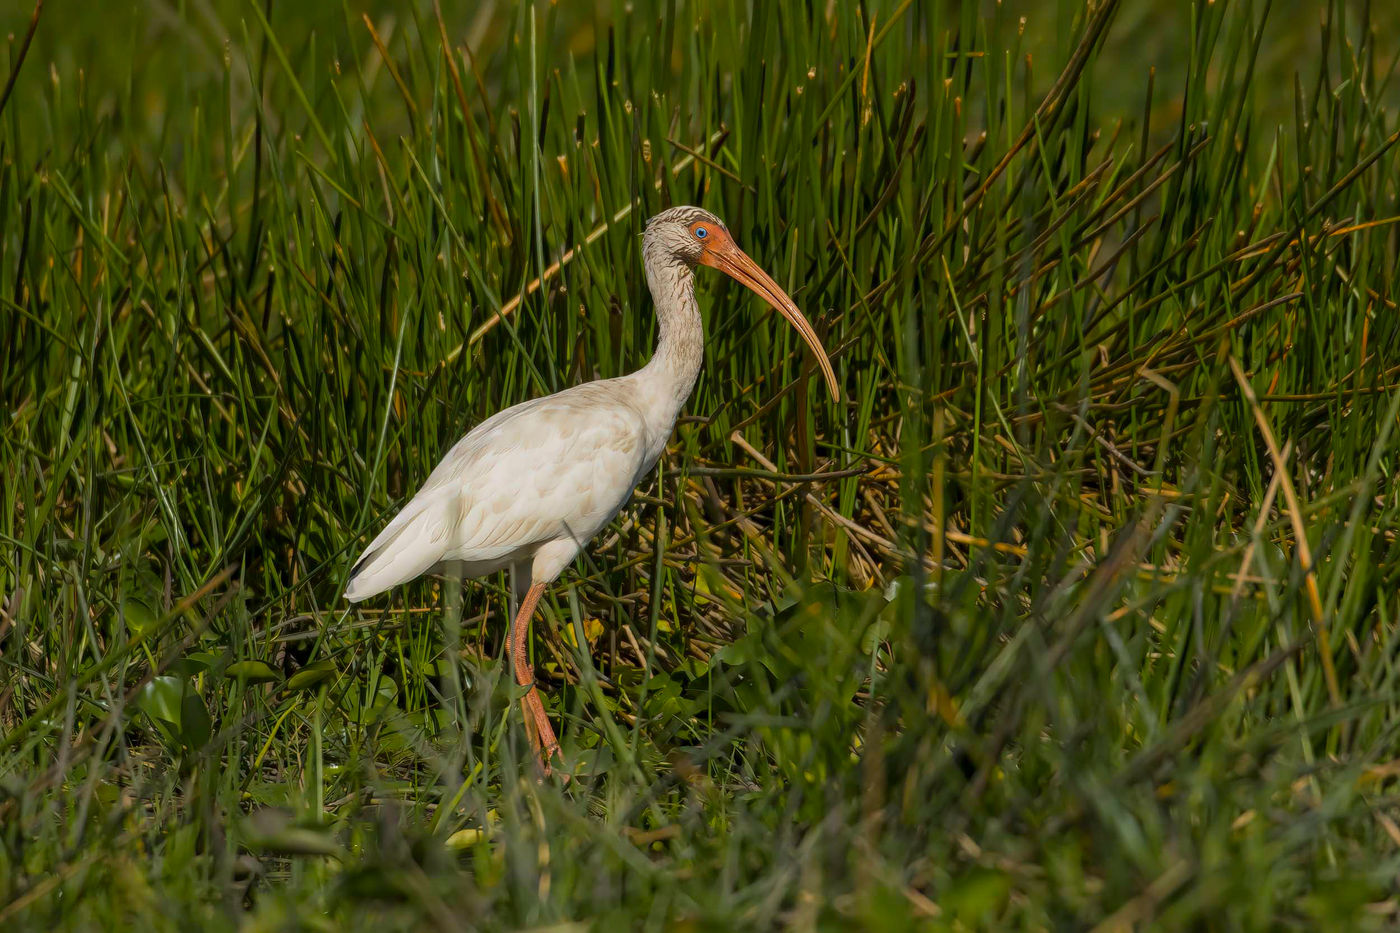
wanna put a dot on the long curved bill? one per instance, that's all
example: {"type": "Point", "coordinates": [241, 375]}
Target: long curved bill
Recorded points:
{"type": "Point", "coordinates": [728, 258]}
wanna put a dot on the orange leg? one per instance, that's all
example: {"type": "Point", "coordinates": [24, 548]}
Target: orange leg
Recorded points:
{"type": "Point", "coordinates": [537, 725]}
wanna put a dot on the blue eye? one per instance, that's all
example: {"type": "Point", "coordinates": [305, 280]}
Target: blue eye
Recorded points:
{"type": "Point", "coordinates": [700, 233]}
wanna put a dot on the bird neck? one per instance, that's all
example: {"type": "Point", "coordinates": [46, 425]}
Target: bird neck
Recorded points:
{"type": "Point", "coordinates": [680, 348]}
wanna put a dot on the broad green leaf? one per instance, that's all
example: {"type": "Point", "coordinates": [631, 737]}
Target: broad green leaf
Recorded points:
{"type": "Point", "coordinates": [276, 831]}
{"type": "Point", "coordinates": [312, 675]}
{"type": "Point", "coordinates": [252, 671]}
{"type": "Point", "coordinates": [162, 698]}
{"type": "Point", "coordinates": [365, 704]}
{"type": "Point", "coordinates": [196, 662]}
{"type": "Point", "coordinates": [140, 618]}
{"type": "Point", "coordinates": [195, 725]}
{"type": "Point", "coordinates": [465, 838]}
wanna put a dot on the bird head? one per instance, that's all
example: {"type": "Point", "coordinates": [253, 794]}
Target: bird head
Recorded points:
{"type": "Point", "coordinates": [684, 233]}
{"type": "Point", "coordinates": [697, 237]}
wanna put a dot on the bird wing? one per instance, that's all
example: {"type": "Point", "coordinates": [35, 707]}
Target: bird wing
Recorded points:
{"type": "Point", "coordinates": [550, 468]}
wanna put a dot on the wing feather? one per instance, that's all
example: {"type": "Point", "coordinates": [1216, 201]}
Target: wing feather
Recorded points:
{"type": "Point", "coordinates": [413, 542]}
{"type": "Point", "coordinates": [550, 468]}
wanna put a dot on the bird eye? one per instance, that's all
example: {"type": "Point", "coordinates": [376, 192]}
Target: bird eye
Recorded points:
{"type": "Point", "coordinates": [701, 233]}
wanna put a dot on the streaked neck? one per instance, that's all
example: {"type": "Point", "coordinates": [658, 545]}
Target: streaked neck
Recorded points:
{"type": "Point", "coordinates": [670, 376]}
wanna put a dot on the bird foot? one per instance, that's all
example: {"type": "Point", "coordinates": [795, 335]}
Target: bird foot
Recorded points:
{"type": "Point", "coordinates": [545, 764]}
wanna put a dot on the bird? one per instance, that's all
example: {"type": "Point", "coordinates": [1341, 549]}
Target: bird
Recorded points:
{"type": "Point", "coordinates": [526, 489]}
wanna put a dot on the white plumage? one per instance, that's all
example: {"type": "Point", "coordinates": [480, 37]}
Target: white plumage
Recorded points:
{"type": "Point", "coordinates": [530, 486]}
{"type": "Point", "coordinates": [537, 480]}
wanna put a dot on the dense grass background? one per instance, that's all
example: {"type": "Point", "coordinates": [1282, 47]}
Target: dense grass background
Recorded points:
{"type": "Point", "coordinates": [1079, 609]}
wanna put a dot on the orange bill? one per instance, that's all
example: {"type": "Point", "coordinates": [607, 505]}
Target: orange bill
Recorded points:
{"type": "Point", "coordinates": [723, 254]}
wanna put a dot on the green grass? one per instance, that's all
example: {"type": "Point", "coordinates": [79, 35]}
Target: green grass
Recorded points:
{"type": "Point", "coordinates": [1091, 621]}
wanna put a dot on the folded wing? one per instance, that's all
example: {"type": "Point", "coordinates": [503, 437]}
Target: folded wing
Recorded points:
{"type": "Point", "coordinates": [551, 468]}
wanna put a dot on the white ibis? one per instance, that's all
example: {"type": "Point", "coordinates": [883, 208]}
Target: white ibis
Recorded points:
{"type": "Point", "coordinates": [528, 487]}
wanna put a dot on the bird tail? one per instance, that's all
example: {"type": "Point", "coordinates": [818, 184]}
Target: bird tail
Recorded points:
{"type": "Point", "coordinates": [411, 545]}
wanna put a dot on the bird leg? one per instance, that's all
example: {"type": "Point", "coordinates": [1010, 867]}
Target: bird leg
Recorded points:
{"type": "Point", "coordinates": [537, 725]}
